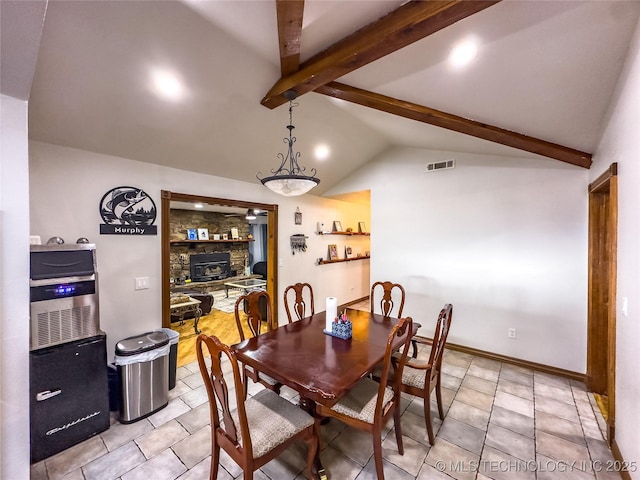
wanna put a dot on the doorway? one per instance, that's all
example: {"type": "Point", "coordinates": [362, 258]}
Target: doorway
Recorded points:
{"type": "Point", "coordinates": [601, 323]}
{"type": "Point", "coordinates": [170, 243]}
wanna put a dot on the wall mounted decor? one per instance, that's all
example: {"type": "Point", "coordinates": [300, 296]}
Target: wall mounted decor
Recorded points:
{"type": "Point", "coordinates": [127, 211]}
{"type": "Point", "coordinates": [298, 216]}
{"type": "Point", "coordinates": [298, 243]}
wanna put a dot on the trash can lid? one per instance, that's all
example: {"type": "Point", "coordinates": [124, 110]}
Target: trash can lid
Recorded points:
{"type": "Point", "coordinates": [141, 343]}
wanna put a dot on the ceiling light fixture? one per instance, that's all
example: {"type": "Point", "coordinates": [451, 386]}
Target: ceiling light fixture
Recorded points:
{"type": "Point", "coordinates": [167, 85]}
{"type": "Point", "coordinates": [291, 181]}
{"type": "Point", "coordinates": [251, 215]}
{"type": "Point", "coordinates": [463, 53]}
{"type": "Point", "coordinates": [321, 152]}
{"type": "Point", "coordinates": [198, 205]}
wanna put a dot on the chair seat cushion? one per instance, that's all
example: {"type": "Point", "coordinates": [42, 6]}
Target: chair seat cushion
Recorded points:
{"type": "Point", "coordinates": [272, 420]}
{"type": "Point", "coordinates": [413, 377]}
{"type": "Point", "coordinates": [360, 402]}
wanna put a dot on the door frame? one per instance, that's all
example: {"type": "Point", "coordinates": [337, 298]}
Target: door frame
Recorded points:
{"type": "Point", "coordinates": [603, 225]}
{"type": "Point", "coordinates": [272, 243]}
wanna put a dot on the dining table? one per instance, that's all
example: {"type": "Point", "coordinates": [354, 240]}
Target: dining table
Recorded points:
{"type": "Point", "coordinates": [320, 367]}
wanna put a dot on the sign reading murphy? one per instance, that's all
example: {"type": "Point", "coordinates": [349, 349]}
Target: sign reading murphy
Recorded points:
{"type": "Point", "coordinates": [127, 211]}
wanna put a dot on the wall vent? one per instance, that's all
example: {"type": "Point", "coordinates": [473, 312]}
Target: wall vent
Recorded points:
{"type": "Point", "coordinates": [431, 167]}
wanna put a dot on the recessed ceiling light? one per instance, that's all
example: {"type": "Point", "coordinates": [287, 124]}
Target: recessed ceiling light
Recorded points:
{"type": "Point", "coordinates": [463, 53]}
{"type": "Point", "coordinates": [198, 205]}
{"type": "Point", "coordinates": [166, 84]}
{"type": "Point", "coordinates": [321, 152]}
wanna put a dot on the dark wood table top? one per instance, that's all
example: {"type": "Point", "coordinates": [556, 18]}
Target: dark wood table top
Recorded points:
{"type": "Point", "coordinates": [320, 367]}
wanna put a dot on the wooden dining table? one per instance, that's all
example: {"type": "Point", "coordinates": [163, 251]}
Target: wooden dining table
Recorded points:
{"type": "Point", "coordinates": [320, 367]}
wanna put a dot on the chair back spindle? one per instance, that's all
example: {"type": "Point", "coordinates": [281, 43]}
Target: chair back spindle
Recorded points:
{"type": "Point", "coordinates": [387, 303]}
{"type": "Point", "coordinates": [299, 302]}
{"type": "Point", "coordinates": [257, 307]}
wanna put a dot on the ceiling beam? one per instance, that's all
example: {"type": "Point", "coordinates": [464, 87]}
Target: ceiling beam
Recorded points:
{"type": "Point", "coordinates": [405, 25]}
{"type": "Point", "coordinates": [289, 14]}
{"type": "Point", "coordinates": [455, 123]}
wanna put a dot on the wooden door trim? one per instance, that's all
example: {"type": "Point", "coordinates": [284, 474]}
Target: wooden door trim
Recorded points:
{"type": "Point", "coordinates": [606, 185]}
{"type": "Point", "coordinates": [167, 197]}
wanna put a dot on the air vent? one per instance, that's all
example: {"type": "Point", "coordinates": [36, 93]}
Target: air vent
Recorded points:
{"type": "Point", "coordinates": [431, 167]}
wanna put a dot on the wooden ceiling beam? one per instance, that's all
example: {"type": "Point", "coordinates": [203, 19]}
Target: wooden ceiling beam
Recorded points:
{"type": "Point", "coordinates": [289, 14]}
{"type": "Point", "coordinates": [405, 25]}
{"type": "Point", "coordinates": [456, 123]}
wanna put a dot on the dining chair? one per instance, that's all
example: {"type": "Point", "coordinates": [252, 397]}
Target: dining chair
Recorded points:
{"type": "Point", "coordinates": [385, 291]}
{"type": "Point", "coordinates": [300, 301]}
{"type": "Point", "coordinates": [259, 428]}
{"type": "Point", "coordinates": [420, 378]}
{"type": "Point", "coordinates": [369, 404]}
{"type": "Point", "coordinates": [254, 310]}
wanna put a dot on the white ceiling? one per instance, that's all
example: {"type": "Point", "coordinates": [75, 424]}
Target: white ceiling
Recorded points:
{"type": "Point", "coordinates": [546, 69]}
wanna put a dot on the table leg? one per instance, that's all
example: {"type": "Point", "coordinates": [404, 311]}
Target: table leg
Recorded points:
{"type": "Point", "coordinates": [197, 315]}
{"type": "Point", "coordinates": [309, 406]}
{"type": "Point", "coordinates": [226, 291]}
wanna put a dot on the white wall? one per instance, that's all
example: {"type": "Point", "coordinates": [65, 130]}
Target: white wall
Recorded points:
{"type": "Point", "coordinates": [502, 239]}
{"type": "Point", "coordinates": [14, 290]}
{"type": "Point", "coordinates": [621, 143]}
{"type": "Point", "coordinates": [66, 188]}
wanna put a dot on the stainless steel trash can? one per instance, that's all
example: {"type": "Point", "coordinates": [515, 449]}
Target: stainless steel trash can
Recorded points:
{"type": "Point", "coordinates": [143, 364]}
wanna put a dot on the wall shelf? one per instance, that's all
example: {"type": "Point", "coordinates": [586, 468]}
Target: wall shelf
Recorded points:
{"type": "Point", "coordinates": [363, 234]}
{"type": "Point", "coordinates": [191, 242]}
{"type": "Point", "coordinates": [324, 262]}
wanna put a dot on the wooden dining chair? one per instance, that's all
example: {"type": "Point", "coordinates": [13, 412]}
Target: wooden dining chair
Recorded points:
{"type": "Point", "coordinates": [254, 310]}
{"type": "Point", "coordinates": [420, 378]}
{"type": "Point", "coordinates": [300, 301]}
{"type": "Point", "coordinates": [369, 405]}
{"type": "Point", "coordinates": [386, 291]}
{"type": "Point", "coordinates": [260, 428]}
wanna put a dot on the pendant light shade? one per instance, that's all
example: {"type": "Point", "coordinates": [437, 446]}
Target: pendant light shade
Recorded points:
{"type": "Point", "coordinates": [289, 179]}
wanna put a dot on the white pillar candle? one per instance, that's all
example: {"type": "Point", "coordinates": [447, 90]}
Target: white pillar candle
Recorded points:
{"type": "Point", "coordinates": [331, 312]}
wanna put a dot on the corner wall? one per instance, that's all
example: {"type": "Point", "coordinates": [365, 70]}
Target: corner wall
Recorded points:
{"type": "Point", "coordinates": [621, 143]}
{"type": "Point", "coordinates": [14, 290]}
{"type": "Point", "coordinates": [502, 239]}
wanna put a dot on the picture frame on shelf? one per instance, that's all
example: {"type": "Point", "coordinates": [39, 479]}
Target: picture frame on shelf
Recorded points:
{"type": "Point", "coordinates": [337, 226]}
{"type": "Point", "coordinates": [348, 252]}
{"type": "Point", "coordinates": [225, 236]}
{"type": "Point", "coordinates": [192, 234]}
{"type": "Point", "coordinates": [203, 234]}
{"type": "Point", "coordinates": [216, 236]}
{"type": "Point", "coordinates": [234, 233]}
{"type": "Point", "coordinates": [333, 252]}
{"type": "Point", "coordinates": [362, 228]}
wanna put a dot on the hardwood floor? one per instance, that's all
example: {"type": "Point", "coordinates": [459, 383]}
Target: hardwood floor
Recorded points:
{"type": "Point", "coordinates": [220, 324]}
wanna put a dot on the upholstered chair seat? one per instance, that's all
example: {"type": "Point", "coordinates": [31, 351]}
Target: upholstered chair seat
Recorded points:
{"type": "Point", "coordinates": [272, 420]}
{"type": "Point", "coordinates": [360, 402]}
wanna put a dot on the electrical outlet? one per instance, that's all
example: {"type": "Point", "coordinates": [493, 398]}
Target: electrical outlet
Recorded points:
{"type": "Point", "coordinates": [511, 333]}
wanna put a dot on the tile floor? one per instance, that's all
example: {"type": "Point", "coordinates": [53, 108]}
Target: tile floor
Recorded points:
{"type": "Point", "coordinates": [501, 421]}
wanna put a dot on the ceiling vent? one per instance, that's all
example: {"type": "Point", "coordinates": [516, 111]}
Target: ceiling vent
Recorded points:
{"type": "Point", "coordinates": [431, 167]}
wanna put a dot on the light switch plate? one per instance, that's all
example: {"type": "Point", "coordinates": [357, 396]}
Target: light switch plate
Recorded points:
{"type": "Point", "coordinates": [142, 283]}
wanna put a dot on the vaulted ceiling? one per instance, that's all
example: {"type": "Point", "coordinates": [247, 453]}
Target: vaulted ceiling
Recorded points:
{"type": "Point", "coordinates": [540, 84]}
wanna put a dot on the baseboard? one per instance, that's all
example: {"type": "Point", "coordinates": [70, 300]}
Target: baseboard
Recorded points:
{"type": "Point", "coordinates": [580, 377]}
{"type": "Point", "coordinates": [618, 457]}
{"type": "Point", "coordinates": [352, 302]}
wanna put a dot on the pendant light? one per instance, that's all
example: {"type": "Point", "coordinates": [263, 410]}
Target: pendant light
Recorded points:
{"type": "Point", "coordinates": [289, 179]}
